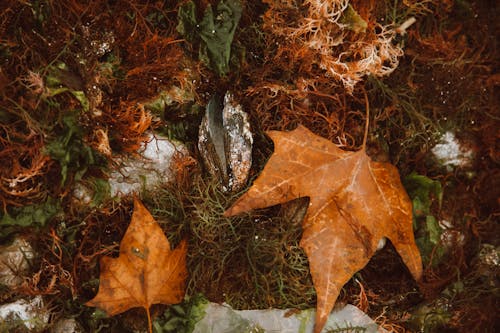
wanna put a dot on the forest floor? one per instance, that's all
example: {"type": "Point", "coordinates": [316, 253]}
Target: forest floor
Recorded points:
{"type": "Point", "coordinates": [82, 82]}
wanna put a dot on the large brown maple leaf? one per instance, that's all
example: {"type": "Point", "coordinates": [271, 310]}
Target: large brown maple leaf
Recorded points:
{"type": "Point", "coordinates": [354, 202]}
{"type": "Point", "coordinates": [146, 272]}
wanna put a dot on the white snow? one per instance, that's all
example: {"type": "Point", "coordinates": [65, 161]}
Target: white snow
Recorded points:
{"type": "Point", "coordinates": [32, 312]}
{"type": "Point", "coordinates": [223, 318]}
{"type": "Point", "coordinates": [450, 153]}
{"type": "Point", "coordinates": [151, 168]}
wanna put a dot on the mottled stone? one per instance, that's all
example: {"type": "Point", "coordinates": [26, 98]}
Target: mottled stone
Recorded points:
{"type": "Point", "coordinates": [225, 142]}
{"type": "Point", "coordinates": [14, 262]}
{"type": "Point", "coordinates": [66, 325]}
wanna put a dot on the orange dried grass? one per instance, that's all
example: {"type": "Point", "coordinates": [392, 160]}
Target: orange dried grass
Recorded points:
{"type": "Point", "coordinates": [24, 168]}
{"type": "Point", "coordinates": [154, 58]}
{"type": "Point", "coordinates": [389, 325]}
{"type": "Point", "coordinates": [183, 166]}
{"type": "Point", "coordinates": [312, 103]}
{"type": "Point", "coordinates": [50, 275]}
{"type": "Point", "coordinates": [362, 302]}
{"type": "Point", "coordinates": [128, 124]}
{"type": "Point", "coordinates": [447, 45]}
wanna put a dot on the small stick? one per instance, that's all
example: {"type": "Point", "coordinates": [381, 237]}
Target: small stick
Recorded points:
{"type": "Point", "coordinates": [150, 325]}
{"type": "Point", "coordinates": [405, 25]}
{"type": "Point", "coordinates": [367, 123]}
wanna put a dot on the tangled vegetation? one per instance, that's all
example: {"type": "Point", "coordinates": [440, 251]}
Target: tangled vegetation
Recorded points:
{"type": "Point", "coordinates": [84, 81]}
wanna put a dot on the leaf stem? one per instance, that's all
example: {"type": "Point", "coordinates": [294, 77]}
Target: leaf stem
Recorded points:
{"type": "Point", "coordinates": [367, 123]}
{"type": "Point", "coordinates": [150, 325]}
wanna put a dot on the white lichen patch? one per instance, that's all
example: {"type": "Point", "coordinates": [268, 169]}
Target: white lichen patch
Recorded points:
{"type": "Point", "coordinates": [32, 313]}
{"type": "Point", "coordinates": [450, 153]}
{"type": "Point", "coordinates": [223, 318]}
{"type": "Point", "coordinates": [14, 262]}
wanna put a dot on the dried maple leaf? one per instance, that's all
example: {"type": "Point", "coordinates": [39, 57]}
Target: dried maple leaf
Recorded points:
{"type": "Point", "coordinates": [354, 202]}
{"type": "Point", "coordinates": [146, 272]}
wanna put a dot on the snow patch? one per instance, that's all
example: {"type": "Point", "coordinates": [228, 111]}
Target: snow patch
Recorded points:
{"type": "Point", "coordinates": [151, 168]}
{"type": "Point", "coordinates": [450, 153]}
{"type": "Point", "coordinates": [32, 313]}
{"type": "Point", "coordinates": [223, 318]}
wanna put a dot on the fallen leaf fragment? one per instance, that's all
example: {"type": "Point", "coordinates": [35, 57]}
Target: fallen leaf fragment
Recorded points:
{"type": "Point", "coordinates": [146, 271]}
{"type": "Point", "coordinates": [354, 202]}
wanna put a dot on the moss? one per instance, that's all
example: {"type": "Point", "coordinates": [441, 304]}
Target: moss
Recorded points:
{"type": "Point", "coordinates": [35, 215]}
{"type": "Point", "coordinates": [248, 261]}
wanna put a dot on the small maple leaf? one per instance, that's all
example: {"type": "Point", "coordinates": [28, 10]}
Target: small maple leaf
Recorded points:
{"type": "Point", "coordinates": [146, 272]}
{"type": "Point", "coordinates": [354, 202]}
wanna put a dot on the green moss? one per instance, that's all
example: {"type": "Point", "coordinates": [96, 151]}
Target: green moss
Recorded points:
{"type": "Point", "coordinates": [36, 215]}
{"type": "Point", "coordinates": [249, 261]}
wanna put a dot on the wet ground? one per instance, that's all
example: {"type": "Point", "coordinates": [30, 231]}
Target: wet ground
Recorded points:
{"type": "Point", "coordinates": [83, 81]}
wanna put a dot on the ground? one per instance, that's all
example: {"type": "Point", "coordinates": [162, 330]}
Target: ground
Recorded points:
{"type": "Point", "coordinates": [84, 81]}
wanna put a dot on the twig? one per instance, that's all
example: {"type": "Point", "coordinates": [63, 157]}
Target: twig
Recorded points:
{"type": "Point", "coordinates": [367, 123]}
{"type": "Point", "coordinates": [405, 25]}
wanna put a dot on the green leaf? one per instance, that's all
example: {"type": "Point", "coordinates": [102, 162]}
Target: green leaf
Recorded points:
{"type": "Point", "coordinates": [182, 318]}
{"type": "Point", "coordinates": [216, 30]}
{"type": "Point", "coordinates": [80, 96]}
{"type": "Point", "coordinates": [196, 312]}
{"type": "Point", "coordinates": [167, 100]}
{"type": "Point", "coordinates": [433, 229]}
{"type": "Point", "coordinates": [187, 25]}
{"type": "Point", "coordinates": [70, 150]}
{"type": "Point", "coordinates": [60, 80]}
{"type": "Point", "coordinates": [428, 242]}
{"type": "Point", "coordinates": [422, 190]}
{"type": "Point", "coordinates": [352, 20]}
{"type": "Point", "coordinates": [101, 190]}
